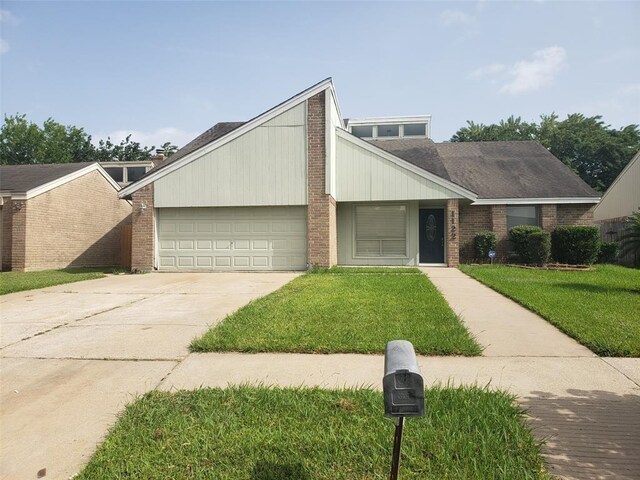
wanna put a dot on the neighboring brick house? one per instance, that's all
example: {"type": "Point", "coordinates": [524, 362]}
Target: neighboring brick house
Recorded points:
{"type": "Point", "coordinates": [298, 186]}
{"type": "Point", "coordinates": [60, 215]}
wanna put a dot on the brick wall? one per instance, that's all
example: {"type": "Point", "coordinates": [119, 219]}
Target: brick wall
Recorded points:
{"type": "Point", "coordinates": [18, 234]}
{"type": "Point", "coordinates": [499, 227]}
{"type": "Point", "coordinates": [75, 225]}
{"type": "Point", "coordinates": [321, 212]}
{"type": "Point", "coordinates": [575, 214]}
{"type": "Point", "coordinates": [6, 219]}
{"type": "Point", "coordinates": [548, 217]}
{"type": "Point", "coordinates": [452, 227]}
{"type": "Point", "coordinates": [473, 219]}
{"type": "Point", "coordinates": [143, 230]}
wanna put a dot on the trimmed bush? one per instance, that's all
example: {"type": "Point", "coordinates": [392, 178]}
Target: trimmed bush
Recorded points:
{"type": "Point", "coordinates": [518, 236]}
{"type": "Point", "coordinates": [483, 242]}
{"type": "Point", "coordinates": [609, 252]}
{"type": "Point", "coordinates": [576, 245]}
{"type": "Point", "coordinates": [539, 247]}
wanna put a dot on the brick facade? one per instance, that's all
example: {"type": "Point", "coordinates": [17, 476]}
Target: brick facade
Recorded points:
{"type": "Point", "coordinates": [575, 214]}
{"type": "Point", "coordinates": [548, 217]}
{"type": "Point", "coordinates": [143, 230]}
{"type": "Point", "coordinates": [452, 227]}
{"type": "Point", "coordinates": [499, 227]}
{"type": "Point", "coordinates": [77, 224]}
{"type": "Point", "coordinates": [321, 210]}
{"type": "Point", "coordinates": [473, 219]}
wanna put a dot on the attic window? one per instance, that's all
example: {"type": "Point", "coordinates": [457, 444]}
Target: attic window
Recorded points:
{"type": "Point", "coordinates": [365, 131]}
{"type": "Point", "coordinates": [388, 130]}
{"type": "Point", "coordinates": [415, 130]}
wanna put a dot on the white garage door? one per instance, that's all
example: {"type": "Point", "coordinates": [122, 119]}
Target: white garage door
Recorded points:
{"type": "Point", "coordinates": [242, 238]}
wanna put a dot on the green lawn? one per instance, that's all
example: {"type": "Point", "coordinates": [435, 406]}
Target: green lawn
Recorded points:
{"type": "Point", "coordinates": [340, 311]}
{"type": "Point", "coordinates": [257, 433]}
{"type": "Point", "coordinates": [600, 308]}
{"type": "Point", "coordinates": [18, 281]}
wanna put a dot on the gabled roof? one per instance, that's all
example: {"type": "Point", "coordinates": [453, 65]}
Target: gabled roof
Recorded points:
{"type": "Point", "coordinates": [27, 181]}
{"type": "Point", "coordinates": [209, 140]}
{"type": "Point", "coordinates": [508, 170]}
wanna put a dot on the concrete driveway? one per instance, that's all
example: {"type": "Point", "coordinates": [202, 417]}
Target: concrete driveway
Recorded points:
{"type": "Point", "coordinates": [72, 356]}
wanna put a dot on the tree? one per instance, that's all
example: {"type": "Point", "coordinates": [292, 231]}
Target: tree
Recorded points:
{"type": "Point", "coordinates": [169, 149]}
{"type": "Point", "coordinates": [24, 142]}
{"type": "Point", "coordinates": [125, 151]}
{"type": "Point", "coordinates": [631, 236]}
{"type": "Point", "coordinates": [588, 146]}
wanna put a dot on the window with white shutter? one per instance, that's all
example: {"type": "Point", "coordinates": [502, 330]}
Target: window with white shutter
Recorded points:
{"type": "Point", "coordinates": [381, 230]}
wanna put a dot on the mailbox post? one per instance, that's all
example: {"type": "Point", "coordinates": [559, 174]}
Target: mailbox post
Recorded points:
{"type": "Point", "coordinates": [403, 390]}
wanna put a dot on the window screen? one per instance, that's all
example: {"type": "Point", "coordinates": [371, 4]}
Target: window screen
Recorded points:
{"type": "Point", "coordinates": [381, 230]}
{"type": "Point", "coordinates": [522, 215]}
{"type": "Point", "coordinates": [388, 130]}
{"type": "Point", "coordinates": [363, 131]}
{"type": "Point", "coordinates": [134, 173]}
{"type": "Point", "coordinates": [415, 129]}
{"type": "Point", "coordinates": [115, 173]}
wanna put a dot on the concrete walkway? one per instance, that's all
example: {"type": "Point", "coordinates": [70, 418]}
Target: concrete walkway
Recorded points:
{"type": "Point", "coordinates": [586, 408]}
{"type": "Point", "coordinates": [74, 355]}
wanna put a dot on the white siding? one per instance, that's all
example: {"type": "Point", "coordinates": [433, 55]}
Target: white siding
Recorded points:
{"type": "Point", "coordinates": [265, 166]}
{"type": "Point", "coordinates": [333, 121]}
{"type": "Point", "coordinates": [623, 197]}
{"type": "Point", "coordinates": [364, 176]}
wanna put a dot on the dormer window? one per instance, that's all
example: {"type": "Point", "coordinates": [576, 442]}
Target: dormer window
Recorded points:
{"type": "Point", "coordinates": [392, 127]}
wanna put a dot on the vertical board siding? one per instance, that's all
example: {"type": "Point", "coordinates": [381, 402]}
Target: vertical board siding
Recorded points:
{"type": "Point", "coordinates": [623, 197]}
{"type": "Point", "coordinates": [364, 176]}
{"type": "Point", "coordinates": [265, 166]}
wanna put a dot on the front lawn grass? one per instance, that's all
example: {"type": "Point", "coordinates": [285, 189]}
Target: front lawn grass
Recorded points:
{"type": "Point", "coordinates": [255, 433]}
{"type": "Point", "coordinates": [599, 308]}
{"type": "Point", "coordinates": [344, 312]}
{"type": "Point", "coordinates": [18, 281]}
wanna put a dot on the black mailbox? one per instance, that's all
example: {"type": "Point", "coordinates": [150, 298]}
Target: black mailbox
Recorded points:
{"type": "Point", "coordinates": [402, 384]}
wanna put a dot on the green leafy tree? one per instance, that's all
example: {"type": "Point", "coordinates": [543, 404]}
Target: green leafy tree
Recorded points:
{"type": "Point", "coordinates": [169, 149]}
{"type": "Point", "coordinates": [20, 141]}
{"type": "Point", "coordinates": [126, 151]}
{"type": "Point", "coordinates": [631, 236]}
{"type": "Point", "coordinates": [594, 150]}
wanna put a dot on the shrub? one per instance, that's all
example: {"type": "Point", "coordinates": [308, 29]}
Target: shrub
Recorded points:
{"type": "Point", "coordinates": [609, 252]}
{"type": "Point", "coordinates": [483, 242]}
{"type": "Point", "coordinates": [539, 247]}
{"type": "Point", "coordinates": [519, 241]}
{"type": "Point", "coordinates": [576, 245]}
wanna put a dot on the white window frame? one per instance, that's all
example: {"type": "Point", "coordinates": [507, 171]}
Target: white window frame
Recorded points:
{"type": "Point", "coordinates": [406, 233]}
{"type": "Point", "coordinates": [537, 209]}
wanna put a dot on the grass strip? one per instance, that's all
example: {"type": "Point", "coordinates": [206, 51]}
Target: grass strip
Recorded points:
{"type": "Point", "coordinates": [256, 433]}
{"type": "Point", "coordinates": [599, 308]}
{"type": "Point", "coordinates": [11, 282]}
{"type": "Point", "coordinates": [344, 313]}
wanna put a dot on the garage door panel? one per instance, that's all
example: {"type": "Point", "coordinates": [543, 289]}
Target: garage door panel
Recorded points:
{"type": "Point", "coordinates": [261, 238]}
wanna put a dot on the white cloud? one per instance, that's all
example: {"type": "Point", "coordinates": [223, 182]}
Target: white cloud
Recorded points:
{"type": "Point", "coordinates": [7, 17]}
{"type": "Point", "coordinates": [4, 46]}
{"type": "Point", "coordinates": [540, 71]}
{"type": "Point", "coordinates": [154, 138]}
{"type": "Point", "coordinates": [490, 71]}
{"type": "Point", "coordinates": [525, 75]}
{"type": "Point", "coordinates": [450, 18]}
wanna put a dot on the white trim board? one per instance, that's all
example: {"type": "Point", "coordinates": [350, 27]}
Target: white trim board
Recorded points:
{"type": "Point", "coordinates": [34, 192]}
{"type": "Point", "coordinates": [250, 125]}
{"type": "Point", "coordinates": [406, 165]}
{"type": "Point", "coordinates": [534, 200]}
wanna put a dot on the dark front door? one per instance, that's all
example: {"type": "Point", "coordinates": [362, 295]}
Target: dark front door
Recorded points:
{"type": "Point", "coordinates": [432, 235]}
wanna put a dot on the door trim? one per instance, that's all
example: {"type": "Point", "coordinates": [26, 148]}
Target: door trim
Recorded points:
{"type": "Point", "coordinates": [445, 247]}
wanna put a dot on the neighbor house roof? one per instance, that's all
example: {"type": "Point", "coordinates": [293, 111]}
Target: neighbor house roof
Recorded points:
{"type": "Point", "coordinates": [26, 181]}
{"type": "Point", "coordinates": [494, 170]}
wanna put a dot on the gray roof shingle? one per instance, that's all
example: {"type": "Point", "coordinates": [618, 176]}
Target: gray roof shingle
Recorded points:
{"type": "Point", "coordinates": [509, 169]}
{"type": "Point", "coordinates": [22, 178]}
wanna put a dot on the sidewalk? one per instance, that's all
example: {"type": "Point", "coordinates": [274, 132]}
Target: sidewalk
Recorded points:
{"type": "Point", "coordinates": [586, 408]}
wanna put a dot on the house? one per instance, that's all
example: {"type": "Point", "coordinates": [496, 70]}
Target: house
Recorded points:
{"type": "Point", "coordinates": [620, 200]}
{"type": "Point", "coordinates": [298, 186]}
{"type": "Point", "coordinates": [60, 215]}
{"type": "Point", "coordinates": [127, 172]}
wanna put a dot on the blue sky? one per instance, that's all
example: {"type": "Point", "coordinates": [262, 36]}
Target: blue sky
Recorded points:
{"type": "Point", "coordinates": [168, 70]}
